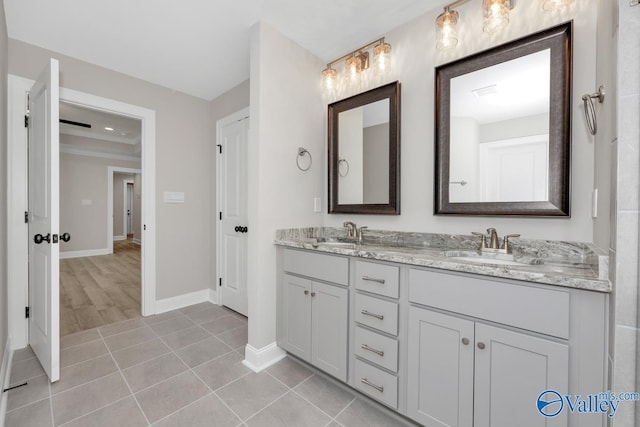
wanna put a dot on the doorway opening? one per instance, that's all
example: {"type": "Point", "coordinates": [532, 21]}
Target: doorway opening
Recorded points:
{"type": "Point", "coordinates": [100, 164]}
{"type": "Point", "coordinates": [18, 233]}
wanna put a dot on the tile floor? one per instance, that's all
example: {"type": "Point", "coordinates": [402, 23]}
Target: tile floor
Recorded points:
{"type": "Point", "coordinates": [182, 368]}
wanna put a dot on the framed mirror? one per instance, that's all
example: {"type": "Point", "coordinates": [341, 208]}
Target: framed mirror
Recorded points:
{"type": "Point", "coordinates": [364, 152]}
{"type": "Point", "coordinates": [503, 129]}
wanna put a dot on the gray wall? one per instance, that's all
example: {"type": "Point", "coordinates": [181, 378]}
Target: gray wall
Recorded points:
{"type": "Point", "coordinates": [3, 182]}
{"type": "Point", "coordinates": [85, 178]}
{"type": "Point", "coordinates": [226, 104]}
{"type": "Point", "coordinates": [183, 136]}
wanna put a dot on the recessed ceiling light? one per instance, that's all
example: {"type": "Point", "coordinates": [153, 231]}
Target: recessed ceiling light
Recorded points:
{"type": "Point", "coordinates": [108, 128]}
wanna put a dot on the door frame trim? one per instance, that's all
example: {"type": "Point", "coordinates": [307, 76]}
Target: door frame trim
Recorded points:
{"type": "Point", "coordinates": [234, 117]}
{"type": "Point", "coordinates": [17, 230]}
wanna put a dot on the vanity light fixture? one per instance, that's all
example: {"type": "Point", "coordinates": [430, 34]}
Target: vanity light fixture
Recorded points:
{"type": "Point", "coordinates": [446, 36]}
{"type": "Point", "coordinates": [556, 5]}
{"type": "Point", "coordinates": [356, 62]}
{"type": "Point", "coordinates": [496, 15]}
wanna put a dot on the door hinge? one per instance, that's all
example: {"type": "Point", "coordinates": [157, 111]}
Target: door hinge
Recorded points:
{"type": "Point", "coordinates": [219, 148]}
{"type": "Point", "coordinates": [26, 312]}
{"type": "Point", "coordinates": [26, 217]}
{"type": "Point", "coordinates": [220, 281]}
{"type": "Point", "coordinates": [26, 121]}
{"type": "Point", "coordinates": [145, 227]}
{"type": "Point", "coordinates": [220, 215]}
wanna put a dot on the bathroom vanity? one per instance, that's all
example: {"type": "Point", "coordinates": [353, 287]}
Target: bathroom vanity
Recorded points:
{"type": "Point", "coordinates": [427, 327]}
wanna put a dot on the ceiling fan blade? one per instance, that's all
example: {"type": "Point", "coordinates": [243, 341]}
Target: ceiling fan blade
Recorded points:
{"type": "Point", "coordinates": [71, 122]}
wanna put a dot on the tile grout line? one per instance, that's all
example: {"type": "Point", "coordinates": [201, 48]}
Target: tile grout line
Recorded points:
{"type": "Point", "coordinates": [128, 387]}
{"type": "Point", "coordinates": [200, 379]}
{"type": "Point", "coordinates": [344, 409]}
{"type": "Point", "coordinates": [288, 390]}
{"type": "Point", "coordinates": [293, 389]}
{"type": "Point", "coordinates": [53, 420]}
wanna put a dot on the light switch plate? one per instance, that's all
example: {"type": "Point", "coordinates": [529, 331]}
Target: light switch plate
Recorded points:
{"type": "Point", "coordinates": [594, 204]}
{"type": "Point", "coordinates": [173, 197]}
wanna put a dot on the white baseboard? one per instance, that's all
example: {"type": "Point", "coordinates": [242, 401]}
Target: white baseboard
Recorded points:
{"type": "Point", "coordinates": [118, 238]}
{"type": "Point", "coordinates": [5, 372]}
{"type": "Point", "coordinates": [260, 359]}
{"type": "Point", "coordinates": [137, 241]}
{"type": "Point", "coordinates": [185, 300]}
{"type": "Point", "coordinates": [81, 254]}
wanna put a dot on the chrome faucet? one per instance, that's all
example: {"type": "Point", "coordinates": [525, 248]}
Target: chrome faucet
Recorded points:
{"type": "Point", "coordinates": [494, 245]}
{"type": "Point", "coordinates": [493, 238]}
{"type": "Point", "coordinates": [352, 228]}
{"type": "Point", "coordinates": [360, 233]}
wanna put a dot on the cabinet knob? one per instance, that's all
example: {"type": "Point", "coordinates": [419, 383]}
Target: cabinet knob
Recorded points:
{"type": "Point", "coordinates": [313, 294]}
{"type": "Point", "coordinates": [465, 341]}
{"type": "Point", "coordinates": [481, 345]}
{"type": "Point", "coordinates": [306, 292]}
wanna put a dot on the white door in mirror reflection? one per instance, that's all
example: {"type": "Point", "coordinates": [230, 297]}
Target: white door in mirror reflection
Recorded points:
{"type": "Point", "coordinates": [499, 132]}
{"type": "Point", "coordinates": [514, 170]}
{"type": "Point", "coordinates": [363, 133]}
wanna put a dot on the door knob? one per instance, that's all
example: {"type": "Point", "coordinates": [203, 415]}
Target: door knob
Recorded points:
{"type": "Point", "coordinates": [39, 238]}
{"type": "Point", "coordinates": [65, 237]}
{"type": "Point", "coordinates": [240, 229]}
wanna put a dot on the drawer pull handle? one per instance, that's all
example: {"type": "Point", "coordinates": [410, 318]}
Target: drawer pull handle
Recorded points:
{"type": "Point", "coordinates": [371, 279]}
{"type": "Point", "coordinates": [377, 387]}
{"type": "Point", "coordinates": [377, 316]}
{"type": "Point", "coordinates": [372, 350]}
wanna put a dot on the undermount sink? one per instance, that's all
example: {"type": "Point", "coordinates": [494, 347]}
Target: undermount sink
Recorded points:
{"type": "Point", "coordinates": [335, 244]}
{"type": "Point", "coordinates": [483, 260]}
{"type": "Point", "coordinates": [495, 259]}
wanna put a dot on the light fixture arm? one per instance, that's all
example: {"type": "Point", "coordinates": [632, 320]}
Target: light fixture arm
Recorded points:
{"type": "Point", "coordinates": [360, 50]}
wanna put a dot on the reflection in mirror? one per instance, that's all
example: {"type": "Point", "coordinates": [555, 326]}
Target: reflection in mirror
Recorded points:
{"type": "Point", "coordinates": [363, 151]}
{"type": "Point", "coordinates": [500, 132]}
{"type": "Point", "coordinates": [503, 119]}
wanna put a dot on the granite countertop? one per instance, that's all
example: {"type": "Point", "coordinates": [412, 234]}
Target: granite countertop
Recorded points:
{"type": "Point", "coordinates": [568, 264]}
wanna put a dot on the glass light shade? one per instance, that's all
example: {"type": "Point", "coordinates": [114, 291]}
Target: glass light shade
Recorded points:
{"type": "Point", "coordinates": [352, 67]}
{"type": "Point", "coordinates": [382, 57]}
{"type": "Point", "coordinates": [556, 5]}
{"type": "Point", "coordinates": [496, 15]}
{"type": "Point", "coordinates": [329, 79]}
{"type": "Point", "coordinates": [446, 36]}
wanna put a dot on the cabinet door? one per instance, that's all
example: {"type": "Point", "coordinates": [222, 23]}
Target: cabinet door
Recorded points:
{"type": "Point", "coordinates": [440, 384]}
{"type": "Point", "coordinates": [296, 316]}
{"type": "Point", "coordinates": [329, 329]}
{"type": "Point", "coordinates": [512, 369]}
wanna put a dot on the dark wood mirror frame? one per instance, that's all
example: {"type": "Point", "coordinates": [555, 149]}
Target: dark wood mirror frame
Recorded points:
{"type": "Point", "coordinates": [391, 92]}
{"type": "Point", "coordinates": [559, 41]}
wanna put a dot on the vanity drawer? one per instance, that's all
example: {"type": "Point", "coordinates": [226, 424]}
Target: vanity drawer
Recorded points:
{"type": "Point", "coordinates": [536, 309]}
{"type": "Point", "coordinates": [376, 383]}
{"type": "Point", "coordinates": [376, 348]}
{"type": "Point", "coordinates": [318, 266]}
{"type": "Point", "coordinates": [376, 313]}
{"type": "Point", "coordinates": [379, 279]}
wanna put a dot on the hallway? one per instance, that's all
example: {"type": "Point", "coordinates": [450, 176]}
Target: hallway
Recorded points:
{"type": "Point", "coordinates": [99, 290]}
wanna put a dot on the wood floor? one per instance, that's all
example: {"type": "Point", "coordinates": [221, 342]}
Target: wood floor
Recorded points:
{"type": "Point", "coordinates": [98, 290]}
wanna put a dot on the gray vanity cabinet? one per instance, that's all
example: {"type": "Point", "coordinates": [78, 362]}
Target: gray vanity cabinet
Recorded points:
{"type": "Point", "coordinates": [466, 373]}
{"type": "Point", "coordinates": [313, 315]}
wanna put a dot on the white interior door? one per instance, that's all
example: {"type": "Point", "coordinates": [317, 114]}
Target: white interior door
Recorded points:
{"type": "Point", "coordinates": [44, 299]}
{"type": "Point", "coordinates": [233, 138]}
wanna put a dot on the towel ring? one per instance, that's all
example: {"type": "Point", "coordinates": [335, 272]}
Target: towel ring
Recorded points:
{"type": "Point", "coordinates": [590, 109]}
{"type": "Point", "coordinates": [340, 161]}
{"type": "Point", "coordinates": [301, 152]}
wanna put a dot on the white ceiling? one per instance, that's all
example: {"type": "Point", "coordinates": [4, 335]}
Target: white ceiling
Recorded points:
{"type": "Point", "coordinates": [199, 47]}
